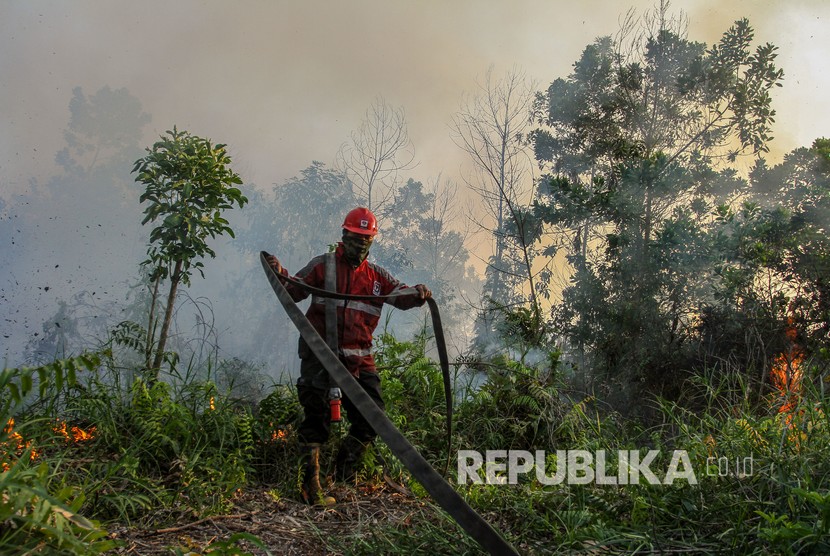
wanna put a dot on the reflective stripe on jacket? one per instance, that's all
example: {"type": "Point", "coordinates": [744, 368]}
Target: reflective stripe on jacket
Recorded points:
{"type": "Point", "coordinates": [356, 320]}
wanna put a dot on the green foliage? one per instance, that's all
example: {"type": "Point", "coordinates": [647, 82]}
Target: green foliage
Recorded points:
{"type": "Point", "coordinates": [131, 335]}
{"type": "Point", "coordinates": [761, 480]}
{"type": "Point", "coordinates": [35, 520]}
{"type": "Point", "coordinates": [186, 447]}
{"type": "Point", "coordinates": [50, 381]}
{"type": "Point", "coordinates": [518, 406]}
{"type": "Point", "coordinates": [34, 516]}
{"type": "Point", "coordinates": [280, 407]}
{"type": "Point", "coordinates": [522, 328]}
{"type": "Point", "coordinates": [810, 530]}
{"type": "Point", "coordinates": [413, 389]}
{"type": "Point", "coordinates": [180, 448]}
{"type": "Point", "coordinates": [200, 460]}
{"type": "Point", "coordinates": [196, 445]}
{"type": "Point", "coordinates": [676, 260]}
{"type": "Point", "coordinates": [278, 416]}
{"type": "Point", "coordinates": [769, 266]}
{"type": "Point", "coordinates": [189, 183]}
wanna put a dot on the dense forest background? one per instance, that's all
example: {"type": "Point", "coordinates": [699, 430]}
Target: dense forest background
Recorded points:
{"type": "Point", "coordinates": [649, 278]}
{"type": "Point", "coordinates": [630, 218]}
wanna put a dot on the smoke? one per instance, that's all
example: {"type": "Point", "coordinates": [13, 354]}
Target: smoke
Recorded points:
{"type": "Point", "coordinates": [283, 83]}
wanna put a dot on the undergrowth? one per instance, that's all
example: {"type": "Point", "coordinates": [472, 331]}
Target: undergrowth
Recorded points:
{"type": "Point", "coordinates": [156, 452]}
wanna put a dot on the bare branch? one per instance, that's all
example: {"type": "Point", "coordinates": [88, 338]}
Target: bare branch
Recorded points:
{"type": "Point", "coordinates": [376, 153]}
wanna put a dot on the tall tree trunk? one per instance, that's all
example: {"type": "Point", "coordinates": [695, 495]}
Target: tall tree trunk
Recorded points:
{"type": "Point", "coordinates": [645, 232]}
{"type": "Point", "coordinates": [168, 316]}
{"type": "Point", "coordinates": [151, 328]}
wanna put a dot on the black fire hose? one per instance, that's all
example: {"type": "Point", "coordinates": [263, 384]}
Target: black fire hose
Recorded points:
{"type": "Point", "coordinates": [437, 327]}
{"type": "Point", "coordinates": [430, 479]}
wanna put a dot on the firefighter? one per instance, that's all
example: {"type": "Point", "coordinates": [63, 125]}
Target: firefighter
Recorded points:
{"type": "Point", "coordinates": [351, 340]}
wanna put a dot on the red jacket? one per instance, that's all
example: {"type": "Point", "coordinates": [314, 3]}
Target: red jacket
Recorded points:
{"type": "Point", "coordinates": [356, 320]}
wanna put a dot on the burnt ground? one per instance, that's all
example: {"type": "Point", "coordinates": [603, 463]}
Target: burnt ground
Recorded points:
{"type": "Point", "coordinates": [287, 526]}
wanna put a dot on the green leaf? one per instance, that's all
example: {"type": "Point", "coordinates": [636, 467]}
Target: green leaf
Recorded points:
{"type": "Point", "coordinates": [43, 381]}
{"type": "Point", "coordinates": [14, 391]}
{"type": "Point", "coordinates": [58, 368]}
{"type": "Point", "coordinates": [26, 383]}
{"type": "Point", "coordinates": [173, 220]}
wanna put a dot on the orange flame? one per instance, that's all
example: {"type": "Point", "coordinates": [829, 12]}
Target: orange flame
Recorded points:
{"type": "Point", "coordinates": [787, 373]}
{"type": "Point", "coordinates": [278, 434]}
{"type": "Point", "coordinates": [19, 443]}
{"type": "Point", "coordinates": [74, 434]}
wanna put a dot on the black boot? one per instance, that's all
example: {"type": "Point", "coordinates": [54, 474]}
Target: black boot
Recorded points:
{"type": "Point", "coordinates": [348, 457]}
{"type": "Point", "coordinates": [311, 490]}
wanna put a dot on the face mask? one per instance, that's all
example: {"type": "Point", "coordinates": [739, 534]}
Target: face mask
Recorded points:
{"type": "Point", "coordinates": [356, 248]}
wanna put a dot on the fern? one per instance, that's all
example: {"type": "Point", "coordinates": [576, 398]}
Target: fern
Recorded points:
{"type": "Point", "coordinates": [35, 518]}
{"type": "Point", "coordinates": [130, 334]}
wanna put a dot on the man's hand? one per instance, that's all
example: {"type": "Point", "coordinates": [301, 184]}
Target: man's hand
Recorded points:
{"type": "Point", "coordinates": [273, 263]}
{"type": "Point", "coordinates": [423, 291]}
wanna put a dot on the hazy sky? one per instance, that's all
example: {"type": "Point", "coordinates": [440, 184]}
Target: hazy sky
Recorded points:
{"type": "Point", "coordinates": [284, 82]}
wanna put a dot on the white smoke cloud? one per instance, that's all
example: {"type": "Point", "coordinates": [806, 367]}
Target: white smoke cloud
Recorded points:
{"type": "Point", "coordinates": [284, 82]}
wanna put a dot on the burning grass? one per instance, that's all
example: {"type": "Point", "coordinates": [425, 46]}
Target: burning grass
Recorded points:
{"type": "Point", "coordinates": [159, 459]}
{"type": "Point", "coordinates": [73, 434]}
{"type": "Point", "coordinates": [787, 374]}
{"type": "Point", "coordinates": [15, 446]}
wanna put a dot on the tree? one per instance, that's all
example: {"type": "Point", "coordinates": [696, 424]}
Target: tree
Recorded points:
{"type": "Point", "coordinates": [377, 152]}
{"type": "Point", "coordinates": [107, 123]}
{"type": "Point", "coordinates": [189, 183]}
{"type": "Point", "coordinates": [57, 228]}
{"type": "Point", "coordinates": [780, 252]}
{"type": "Point", "coordinates": [295, 220]}
{"type": "Point", "coordinates": [624, 120]}
{"type": "Point", "coordinates": [299, 217]}
{"type": "Point", "coordinates": [421, 246]}
{"type": "Point", "coordinates": [636, 143]}
{"type": "Point", "coordinates": [492, 129]}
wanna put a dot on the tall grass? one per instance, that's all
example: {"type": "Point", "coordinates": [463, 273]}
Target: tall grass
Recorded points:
{"type": "Point", "coordinates": [762, 477]}
{"type": "Point", "coordinates": [175, 449]}
{"type": "Point", "coordinates": [154, 452]}
{"type": "Point", "coordinates": [35, 516]}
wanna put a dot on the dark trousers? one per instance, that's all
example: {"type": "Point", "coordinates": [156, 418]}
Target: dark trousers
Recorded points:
{"type": "Point", "coordinates": [313, 393]}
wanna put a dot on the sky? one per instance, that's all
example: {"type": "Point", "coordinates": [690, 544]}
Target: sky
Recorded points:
{"type": "Point", "coordinates": [283, 83]}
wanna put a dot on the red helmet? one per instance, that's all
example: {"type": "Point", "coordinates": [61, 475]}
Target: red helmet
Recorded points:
{"type": "Point", "coordinates": [361, 221]}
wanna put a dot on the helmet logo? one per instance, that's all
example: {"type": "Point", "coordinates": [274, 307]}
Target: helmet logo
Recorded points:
{"type": "Point", "coordinates": [364, 224]}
